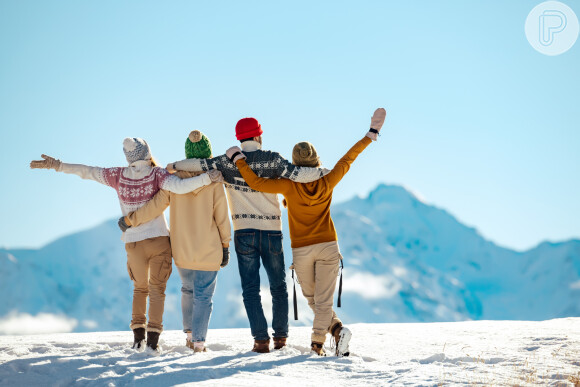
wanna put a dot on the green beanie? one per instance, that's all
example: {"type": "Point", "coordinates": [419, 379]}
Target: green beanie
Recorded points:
{"type": "Point", "coordinates": [197, 146]}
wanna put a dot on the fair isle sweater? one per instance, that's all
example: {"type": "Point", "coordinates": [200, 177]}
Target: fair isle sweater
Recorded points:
{"type": "Point", "coordinates": [135, 186]}
{"type": "Point", "coordinates": [252, 209]}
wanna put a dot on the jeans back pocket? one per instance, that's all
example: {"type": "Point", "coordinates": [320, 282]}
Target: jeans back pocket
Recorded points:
{"type": "Point", "coordinates": [245, 242]}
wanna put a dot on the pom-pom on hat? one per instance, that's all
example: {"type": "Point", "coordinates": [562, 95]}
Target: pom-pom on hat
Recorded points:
{"type": "Point", "coordinates": [248, 128]}
{"type": "Point", "coordinates": [136, 149]}
{"type": "Point", "coordinates": [304, 155]}
{"type": "Point", "coordinates": [197, 146]}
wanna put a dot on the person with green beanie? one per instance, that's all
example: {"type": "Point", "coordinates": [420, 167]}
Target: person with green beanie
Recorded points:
{"type": "Point", "coordinates": [200, 236]}
{"type": "Point", "coordinates": [197, 146]}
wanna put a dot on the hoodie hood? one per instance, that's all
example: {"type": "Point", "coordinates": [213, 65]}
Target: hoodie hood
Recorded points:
{"type": "Point", "coordinates": [314, 192]}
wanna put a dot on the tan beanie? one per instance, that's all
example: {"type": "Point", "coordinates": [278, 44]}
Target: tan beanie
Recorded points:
{"type": "Point", "coordinates": [304, 155]}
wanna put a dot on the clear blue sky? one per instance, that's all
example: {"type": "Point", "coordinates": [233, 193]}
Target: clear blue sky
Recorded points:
{"type": "Point", "coordinates": [478, 122]}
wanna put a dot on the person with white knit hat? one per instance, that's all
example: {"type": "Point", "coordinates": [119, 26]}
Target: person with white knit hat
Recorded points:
{"type": "Point", "coordinates": [148, 250]}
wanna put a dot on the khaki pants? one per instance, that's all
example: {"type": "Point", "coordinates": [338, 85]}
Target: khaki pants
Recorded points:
{"type": "Point", "coordinates": [149, 266]}
{"type": "Point", "coordinates": [317, 269]}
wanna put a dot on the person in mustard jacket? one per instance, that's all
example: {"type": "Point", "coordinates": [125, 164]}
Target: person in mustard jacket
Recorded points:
{"type": "Point", "coordinates": [316, 255]}
{"type": "Point", "coordinates": [200, 234]}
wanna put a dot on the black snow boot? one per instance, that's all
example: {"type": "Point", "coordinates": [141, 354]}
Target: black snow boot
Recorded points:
{"type": "Point", "coordinates": [152, 340]}
{"type": "Point", "coordinates": [138, 338]}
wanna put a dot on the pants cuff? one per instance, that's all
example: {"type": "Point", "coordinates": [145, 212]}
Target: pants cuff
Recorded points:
{"type": "Point", "coordinates": [135, 326]}
{"type": "Point", "coordinates": [158, 330]}
{"type": "Point", "coordinates": [316, 338]}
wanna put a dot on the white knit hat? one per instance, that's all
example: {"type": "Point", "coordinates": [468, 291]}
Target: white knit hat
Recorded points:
{"type": "Point", "coordinates": [136, 149]}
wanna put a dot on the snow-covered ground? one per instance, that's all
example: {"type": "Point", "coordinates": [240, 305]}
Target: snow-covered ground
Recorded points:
{"type": "Point", "coordinates": [477, 352]}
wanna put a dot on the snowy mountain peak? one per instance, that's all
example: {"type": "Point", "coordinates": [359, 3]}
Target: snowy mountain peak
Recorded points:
{"type": "Point", "coordinates": [394, 193]}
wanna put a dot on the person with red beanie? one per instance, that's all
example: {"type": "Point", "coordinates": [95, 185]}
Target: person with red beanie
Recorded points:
{"type": "Point", "coordinates": [315, 250]}
{"type": "Point", "coordinates": [257, 227]}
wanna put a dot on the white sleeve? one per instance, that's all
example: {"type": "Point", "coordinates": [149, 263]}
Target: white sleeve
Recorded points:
{"type": "Point", "coordinates": [84, 172]}
{"type": "Point", "coordinates": [191, 165]}
{"type": "Point", "coordinates": [181, 186]}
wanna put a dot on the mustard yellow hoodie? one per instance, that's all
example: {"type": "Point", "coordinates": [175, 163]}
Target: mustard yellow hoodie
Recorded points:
{"type": "Point", "coordinates": [308, 203]}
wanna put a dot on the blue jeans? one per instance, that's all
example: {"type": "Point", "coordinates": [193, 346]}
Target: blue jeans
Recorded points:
{"type": "Point", "coordinates": [196, 300]}
{"type": "Point", "coordinates": [250, 245]}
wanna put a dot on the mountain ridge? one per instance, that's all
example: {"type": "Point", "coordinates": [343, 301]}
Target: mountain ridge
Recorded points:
{"type": "Point", "coordinates": [405, 261]}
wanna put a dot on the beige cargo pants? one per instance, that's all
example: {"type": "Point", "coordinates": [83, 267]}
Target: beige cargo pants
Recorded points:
{"type": "Point", "coordinates": [149, 265]}
{"type": "Point", "coordinates": [317, 269]}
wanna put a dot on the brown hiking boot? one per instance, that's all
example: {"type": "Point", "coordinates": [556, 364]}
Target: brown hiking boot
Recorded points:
{"type": "Point", "coordinates": [152, 340]}
{"type": "Point", "coordinates": [200, 349]}
{"type": "Point", "coordinates": [341, 337]}
{"type": "Point", "coordinates": [318, 348]}
{"type": "Point", "coordinates": [138, 338]}
{"type": "Point", "coordinates": [189, 344]}
{"type": "Point", "coordinates": [279, 342]}
{"type": "Point", "coordinates": [261, 346]}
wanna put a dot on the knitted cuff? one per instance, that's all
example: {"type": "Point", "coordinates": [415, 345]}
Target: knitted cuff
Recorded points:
{"type": "Point", "coordinates": [237, 156]}
{"type": "Point", "coordinates": [373, 134]}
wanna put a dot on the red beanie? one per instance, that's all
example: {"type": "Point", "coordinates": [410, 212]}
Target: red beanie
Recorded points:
{"type": "Point", "coordinates": [248, 128]}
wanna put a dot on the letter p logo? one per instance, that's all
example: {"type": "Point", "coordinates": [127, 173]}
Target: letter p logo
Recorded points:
{"type": "Point", "coordinates": [552, 28]}
{"type": "Point", "coordinates": [552, 22]}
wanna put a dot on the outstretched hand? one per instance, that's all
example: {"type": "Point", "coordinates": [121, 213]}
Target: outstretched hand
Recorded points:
{"type": "Point", "coordinates": [235, 154]}
{"type": "Point", "coordinates": [377, 121]}
{"type": "Point", "coordinates": [47, 163]}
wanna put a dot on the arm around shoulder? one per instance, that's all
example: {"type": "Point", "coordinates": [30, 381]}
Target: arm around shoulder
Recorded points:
{"type": "Point", "coordinates": [151, 210]}
{"type": "Point", "coordinates": [259, 183]}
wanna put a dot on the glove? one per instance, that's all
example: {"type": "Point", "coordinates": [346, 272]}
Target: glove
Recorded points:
{"type": "Point", "coordinates": [377, 121]}
{"type": "Point", "coordinates": [122, 224]}
{"type": "Point", "coordinates": [47, 163]}
{"type": "Point", "coordinates": [215, 176]}
{"type": "Point", "coordinates": [235, 154]}
{"type": "Point", "coordinates": [226, 258]}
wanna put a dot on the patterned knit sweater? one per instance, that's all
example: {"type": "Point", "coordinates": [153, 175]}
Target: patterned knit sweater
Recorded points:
{"type": "Point", "coordinates": [135, 186]}
{"type": "Point", "coordinates": [249, 208]}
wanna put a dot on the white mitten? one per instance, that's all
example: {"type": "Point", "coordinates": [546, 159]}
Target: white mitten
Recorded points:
{"type": "Point", "coordinates": [235, 154]}
{"type": "Point", "coordinates": [377, 121]}
{"type": "Point", "coordinates": [215, 176]}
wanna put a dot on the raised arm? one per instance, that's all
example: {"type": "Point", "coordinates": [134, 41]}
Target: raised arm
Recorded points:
{"type": "Point", "coordinates": [151, 210]}
{"type": "Point", "coordinates": [256, 183]}
{"type": "Point", "coordinates": [106, 176]}
{"type": "Point", "coordinates": [343, 165]}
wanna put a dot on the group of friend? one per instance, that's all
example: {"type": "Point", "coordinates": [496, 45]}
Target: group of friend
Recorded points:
{"type": "Point", "coordinates": [200, 233]}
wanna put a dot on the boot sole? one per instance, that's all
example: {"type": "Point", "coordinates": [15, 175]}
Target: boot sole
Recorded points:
{"type": "Point", "coordinates": [342, 346]}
